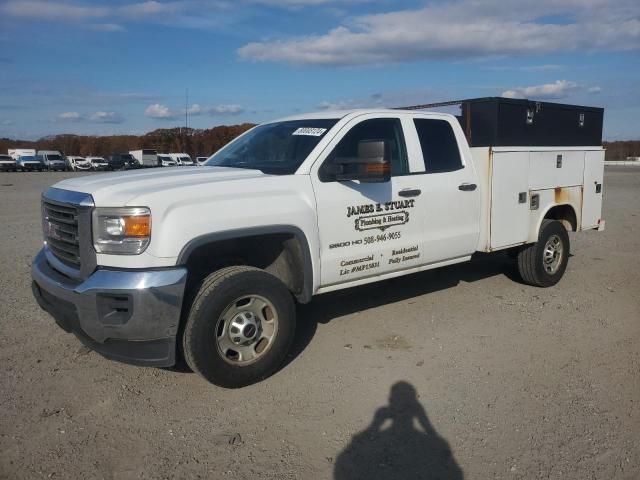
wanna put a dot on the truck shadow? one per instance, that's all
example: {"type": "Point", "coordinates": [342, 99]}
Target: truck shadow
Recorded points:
{"type": "Point", "coordinates": [391, 447]}
{"type": "Point", "coordinates": [325, 308]}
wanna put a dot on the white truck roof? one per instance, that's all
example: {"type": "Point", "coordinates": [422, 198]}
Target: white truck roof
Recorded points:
{"type": "Point", "coordinates": [338, 114]}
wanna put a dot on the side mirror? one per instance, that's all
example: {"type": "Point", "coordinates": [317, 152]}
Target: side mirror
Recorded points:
{"type": "Point", "coordinates": [372, 164]}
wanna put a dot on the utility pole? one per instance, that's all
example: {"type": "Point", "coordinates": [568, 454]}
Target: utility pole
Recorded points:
{"type": "Point", "coordinates": [186, 119]}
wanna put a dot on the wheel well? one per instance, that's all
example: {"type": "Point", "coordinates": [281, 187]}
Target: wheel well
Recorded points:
{"type": "Point", "coordinates": [565, 214]}
{"type": "Point", "coordinates": [281, 254]}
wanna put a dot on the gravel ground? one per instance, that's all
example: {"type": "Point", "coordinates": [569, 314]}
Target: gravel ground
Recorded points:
{"type": "Point", "coordinates": [459, 372]}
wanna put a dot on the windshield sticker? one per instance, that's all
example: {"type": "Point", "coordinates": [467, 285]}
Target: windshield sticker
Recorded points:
{"type": "Point", "coordinates": [309, 131]}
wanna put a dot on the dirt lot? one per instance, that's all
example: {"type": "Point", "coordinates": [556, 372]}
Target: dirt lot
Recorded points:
{"type": "Point", "coordinates": [460, 372]}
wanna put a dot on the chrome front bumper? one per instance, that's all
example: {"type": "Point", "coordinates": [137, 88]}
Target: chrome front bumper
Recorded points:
{"type": "Point", "coordinates": [126, 315]}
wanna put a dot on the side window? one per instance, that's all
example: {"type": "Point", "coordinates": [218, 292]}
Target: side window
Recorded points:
{"type": "Point", "coordinates": [439, 146]}
{"type": "Point", "coordinates": [387, 129]}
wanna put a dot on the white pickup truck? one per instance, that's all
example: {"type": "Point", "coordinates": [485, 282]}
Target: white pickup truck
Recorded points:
{"type": "Point", "coordinates": [206, 263]}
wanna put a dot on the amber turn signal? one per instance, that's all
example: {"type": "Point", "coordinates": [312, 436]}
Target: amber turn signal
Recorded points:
{"type": "Point", "coordinates": [137, 226]}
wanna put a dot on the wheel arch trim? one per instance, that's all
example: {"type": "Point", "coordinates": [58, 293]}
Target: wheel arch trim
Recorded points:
{"type": "Point", "coordinates": [307, 288]}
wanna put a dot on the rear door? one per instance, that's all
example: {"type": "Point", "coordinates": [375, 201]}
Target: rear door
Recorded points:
{"type": "Point", "coordinates": [450, 193]}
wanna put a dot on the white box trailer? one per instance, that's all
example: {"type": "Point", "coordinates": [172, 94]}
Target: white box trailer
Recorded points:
{"type": "Point", "coordinates": [15, 153]}
{"type": "Point", "coordinates": [147, 157]}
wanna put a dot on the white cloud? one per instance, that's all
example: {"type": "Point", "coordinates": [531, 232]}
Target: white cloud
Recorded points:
{"type": "Point", "coordinates": [462, 29]}
{"type": "Point", "coordinates": [161, 112]}
{"type": "Point", "coordinates": [97, 117]}
{"type": "Point", "coordinates": [70, 116]}
{"type": "Point", "coordinates": [230, 109]}
{"type": "Point", "coordinates": [106, 117]}
{"type": "Point", "coordinates": [106, 27]}
{"type": "Point", "coordinates": [528, 68]}
{"type": "Point", "coordinates": [195, 110]}
{"type": "Point", "coordinates": [63, 11]}
{"type": "Point", "coordinates": [149, 8]}
{"type": "Point", "coordinates": [372, 101]}
{"type": "Point", "coordinates": [52, 10]}
{"type": "Point", "coordinates": [305, 3]}
{"type": "Point", "coordinates": [549, 91]}
{"type": "Point", "coordinates": [542, 68]}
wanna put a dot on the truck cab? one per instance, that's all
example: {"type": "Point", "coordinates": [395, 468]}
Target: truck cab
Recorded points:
{"type": "Point", "coordinates": [182, 159]}
{"type": "Point", "coordinates": [121, 161]}
{"type": "Point", "coordinates": [209, 262]}
{"type": "Point", "coordinates": [52, 159]}
{"type": "Point", "coordinates": [146, 157]}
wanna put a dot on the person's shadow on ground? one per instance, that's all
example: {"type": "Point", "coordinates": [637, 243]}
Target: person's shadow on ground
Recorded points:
{"type": "Point", "coordinates": [400, 451]}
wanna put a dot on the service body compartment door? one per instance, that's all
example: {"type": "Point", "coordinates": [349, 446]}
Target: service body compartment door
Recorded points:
{"type": "Point", "coordinates": [592, 193]}
{"type": "Point", "coordinates": [555, 168]}
{"type": "Point", "coordinates": [509, 199]}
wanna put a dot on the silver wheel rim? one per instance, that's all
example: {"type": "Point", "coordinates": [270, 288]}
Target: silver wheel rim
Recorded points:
{"type": "Point", "coordinates": [246, 330]}
{"type": "Point", "coordinates": [552, 254]}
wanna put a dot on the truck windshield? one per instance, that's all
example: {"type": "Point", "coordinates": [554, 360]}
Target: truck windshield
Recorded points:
{"type": "Point", "coordinates": [274, 148]}
{"type": "Point", "coordinates": [27, 158]}
{"type": "Point", "coordinates": [54, 157]}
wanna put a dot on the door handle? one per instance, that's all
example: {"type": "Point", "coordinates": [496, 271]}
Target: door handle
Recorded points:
{"type": "Point", "coordinates": [467, 187]}
{"type": "Point", "coordinates": [410, 192]}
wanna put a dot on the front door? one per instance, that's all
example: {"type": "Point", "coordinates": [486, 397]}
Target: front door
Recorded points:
{"type": "Point", "coordinates": [369, 229]}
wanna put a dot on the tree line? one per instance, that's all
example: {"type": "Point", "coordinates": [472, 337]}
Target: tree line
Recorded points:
{"type": "Point", "coordinates": [195, 142]}
{"type": "Point", "coordinates": [620, 150]}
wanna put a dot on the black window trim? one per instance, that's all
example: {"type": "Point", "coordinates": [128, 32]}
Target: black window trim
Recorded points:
{"type": "Point", "coordinates": [463, 164]}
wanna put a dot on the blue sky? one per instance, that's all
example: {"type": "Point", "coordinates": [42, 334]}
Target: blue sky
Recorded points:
{"type": "Point", "coordinates": [121, 66]}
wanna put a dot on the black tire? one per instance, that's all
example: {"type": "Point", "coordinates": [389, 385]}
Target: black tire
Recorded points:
{"type": "Point", "coordinates": [218, 292]}
{"type": "Point", "coordinates": [531, 260]}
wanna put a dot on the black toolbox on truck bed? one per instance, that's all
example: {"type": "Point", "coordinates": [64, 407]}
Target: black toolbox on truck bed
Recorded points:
{"type": "Point", "coordinates": [510, 122]}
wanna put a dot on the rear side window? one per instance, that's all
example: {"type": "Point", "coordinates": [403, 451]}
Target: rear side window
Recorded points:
{"type": "Point", "coordinates": [439, 147]}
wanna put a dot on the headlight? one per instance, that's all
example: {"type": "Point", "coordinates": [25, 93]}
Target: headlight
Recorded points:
{"type": "Point", "coordinates": [124, 231]}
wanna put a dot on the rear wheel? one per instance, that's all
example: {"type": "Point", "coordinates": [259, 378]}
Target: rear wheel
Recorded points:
{"type": "Point", "coordinates": [543, 263]}
{"type": "Point", "coordinates": [240, 327]}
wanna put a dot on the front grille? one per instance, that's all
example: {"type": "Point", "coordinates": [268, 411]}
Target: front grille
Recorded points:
{"type": "Point", "coordinates": [60, 225]}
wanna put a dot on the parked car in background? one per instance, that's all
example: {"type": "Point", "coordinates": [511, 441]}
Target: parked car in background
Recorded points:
{"type": "Point", "coordinates": [98, 163]}
{"type": "Point", "coordinates": [76, 163]}
{"type": "Point", "coordinates": [165, 160]}
{"type": "Point", "coordinates": [52, 159]}
{"type": "Point", "coordinates": [182, 159]}
{"type": "Point", "coordinates": [15, 153]}
{"type": "Point", "coordinates": [122, 161]}
{"type": "Point", "coordinates": [146, 157]}
{"type": "Point", "coordinates": [7, 164]}
{"type": "Point", "coordinates": [201, 160]}
{"type": "Point", "coordinates": [30, 163]}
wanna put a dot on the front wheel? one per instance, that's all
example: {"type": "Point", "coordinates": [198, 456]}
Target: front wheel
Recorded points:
{"type": "Point", "coordinates": [543, 263]}
{"type": "Point", "coordinates": [240, 327]}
